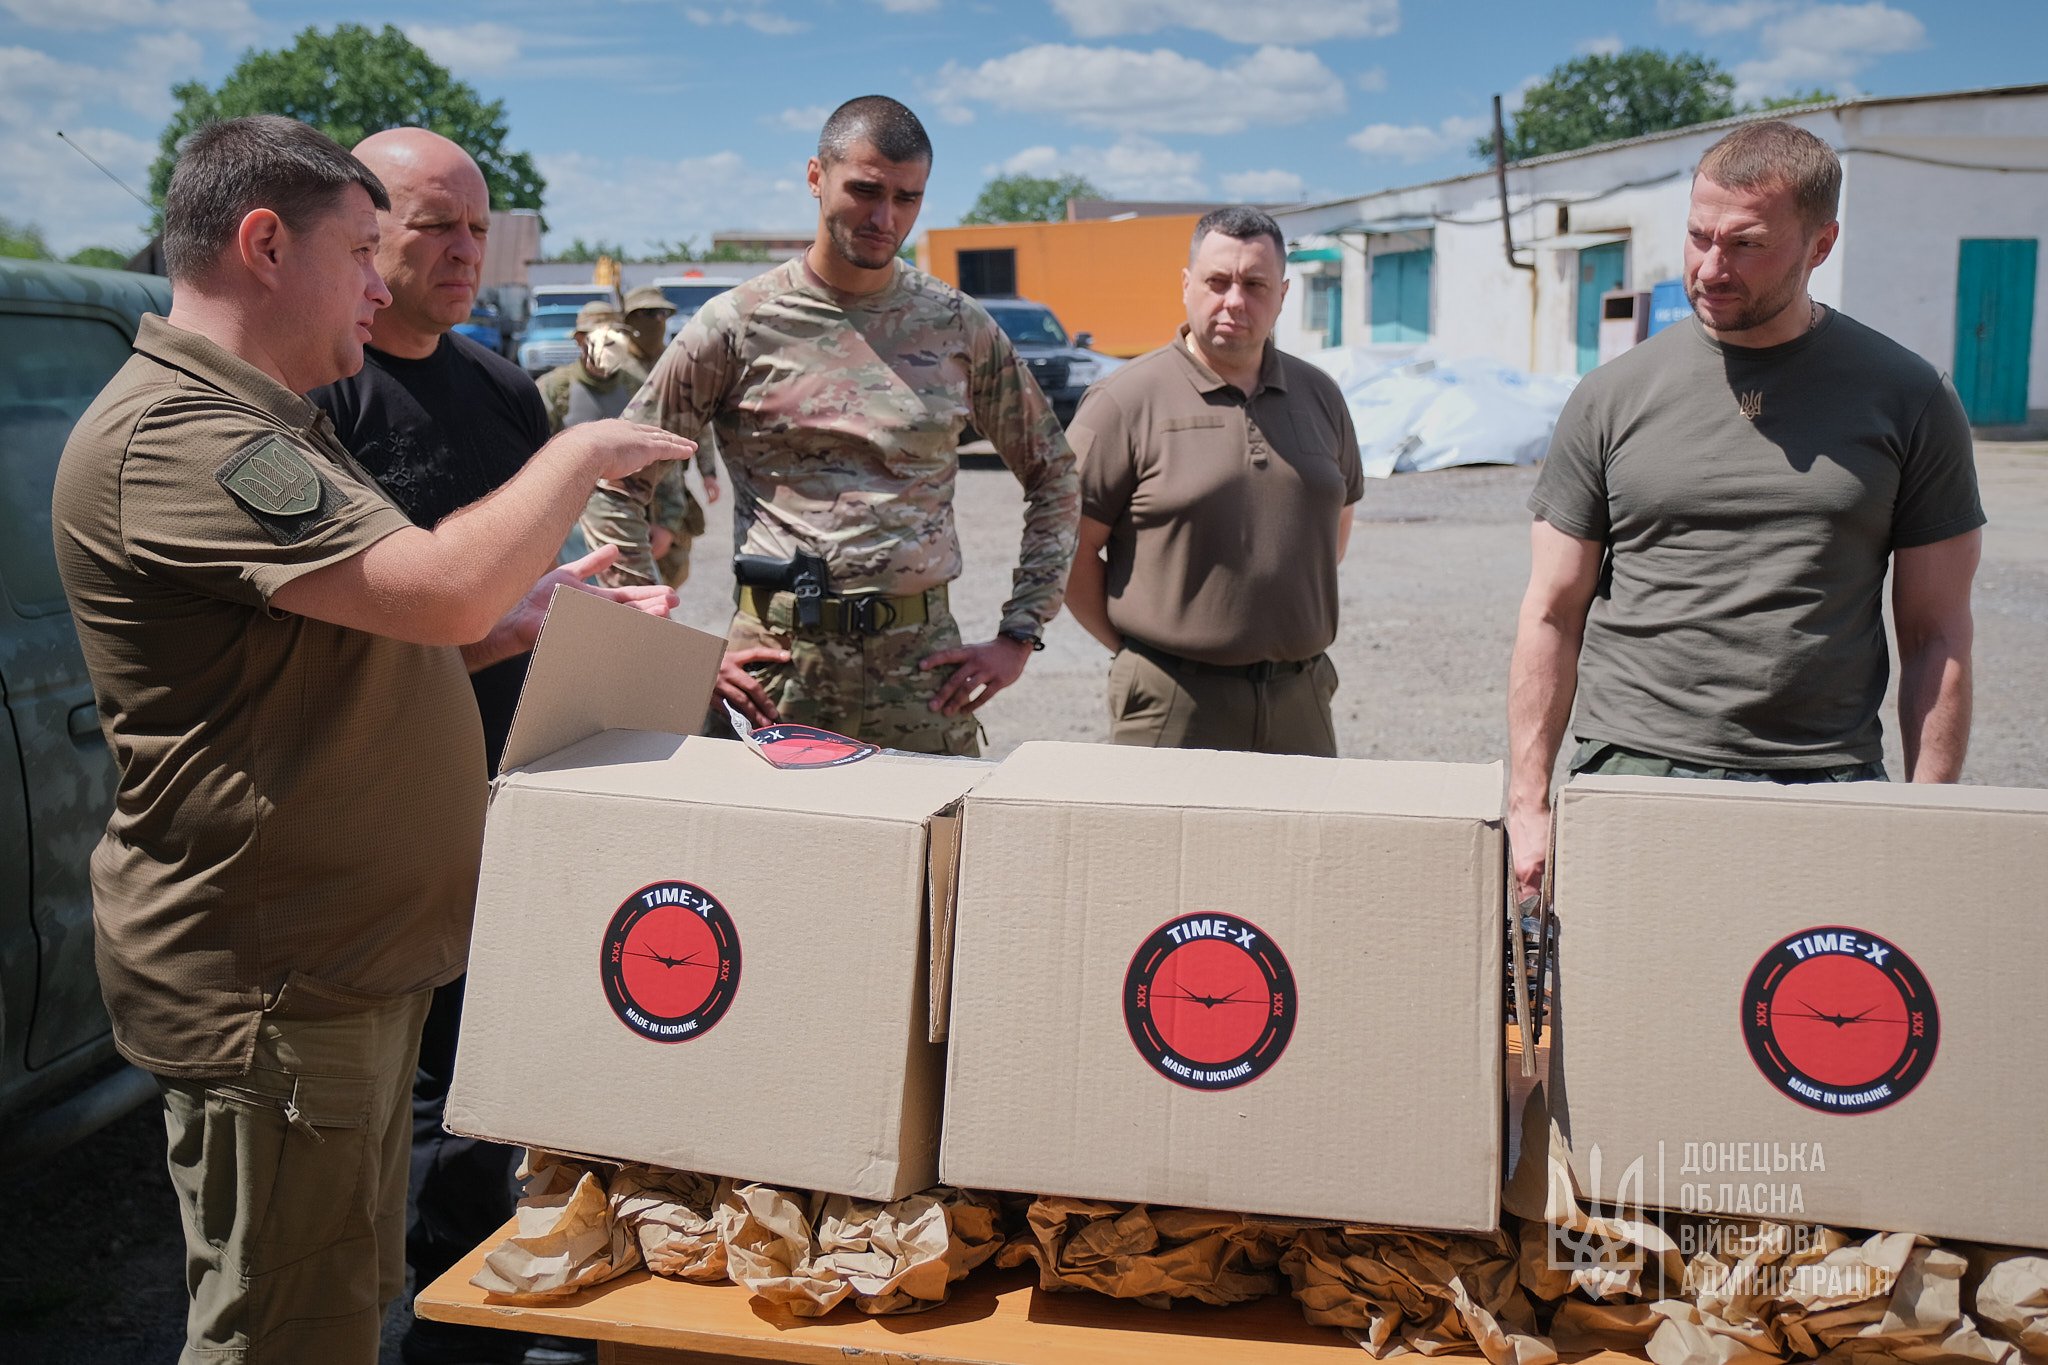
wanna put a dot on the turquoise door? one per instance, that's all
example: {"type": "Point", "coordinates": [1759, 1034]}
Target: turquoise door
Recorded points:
{"type": "Point", "coordinates": [1601, 268]}
{"type": "Point", "coordinates": [1400, 296]}
{"type": "Point", "coordinates": [1994, 327]}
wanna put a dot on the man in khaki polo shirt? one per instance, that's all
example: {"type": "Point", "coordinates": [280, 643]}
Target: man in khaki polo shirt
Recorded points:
{"type": "Point", "coordinates": [293, 853]}
{"type": "Point", "coordinates": [1219, 474]}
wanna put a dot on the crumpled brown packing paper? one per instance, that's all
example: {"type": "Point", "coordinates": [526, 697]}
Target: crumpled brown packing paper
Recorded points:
{"type": "Point", "coordinates": [2010, 1289]}
{"type": "Point", "coordinates": [565, 1237]}
{"type": "Point", "coordinates": [1152, 1255]}
{"type": "Point", "coordinates": [1400, 1292]}
{"type": "Point", "coordinates": [673, 1218]}
{"type": "Point", "coordinates": [1757, 1292]}
{"type": "Point", "coordinates": [807, 1253]}
{"type": "Point", "coordinates": [579, 1225]}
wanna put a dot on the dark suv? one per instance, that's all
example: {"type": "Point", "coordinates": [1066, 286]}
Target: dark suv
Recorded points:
{"type": "Point", "coordinates": [64, 331]}
{"type": "Point", "coordinates": [1064, 369]}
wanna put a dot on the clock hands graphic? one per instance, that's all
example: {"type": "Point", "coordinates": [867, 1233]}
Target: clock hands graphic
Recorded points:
{"type": "Point", "coordinates": [670, 962]}
{"type": "Point", "coordinates": [1209, 1001]}
{"type": "Point", "coordinates": [1838, 1020]}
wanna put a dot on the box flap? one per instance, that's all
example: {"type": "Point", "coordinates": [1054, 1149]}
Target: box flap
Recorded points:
{"type": "Point", "coordinates": [1908, 795]}
{"type": "Point", "coordinates": [727, 774]}
{"type": "Point", "coordinates": [1110, 775]}
{"type": "Point", "coordinates": [942, 883]}
{"type": "Point", "coordinates": [602, 665]}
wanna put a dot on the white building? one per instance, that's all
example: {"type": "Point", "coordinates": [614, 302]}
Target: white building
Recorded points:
{"type": "Point", "coordinates": [1944, 199]}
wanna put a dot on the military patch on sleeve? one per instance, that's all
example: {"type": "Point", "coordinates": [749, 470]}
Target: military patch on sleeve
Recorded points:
{"type": "Point", "coordinates": [280, 487]}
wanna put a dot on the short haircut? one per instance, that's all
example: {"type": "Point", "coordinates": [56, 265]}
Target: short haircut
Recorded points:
{"type": "Point", "coordinates": [227, 170]}
{"type": "Point", "coordinates": [1774, 153]}
{"type": "Point", "coordinates": [1241, 221]}
{"type": "Point", "coordinates": [882, 123]}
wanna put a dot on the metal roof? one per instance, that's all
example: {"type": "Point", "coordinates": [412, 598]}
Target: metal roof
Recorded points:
{"type": "Point", "coordinates": [1872, 102]}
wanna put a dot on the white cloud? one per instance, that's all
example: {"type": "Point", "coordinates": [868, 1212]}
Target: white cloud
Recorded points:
{"type": "Point", "coordinates": [1414, 142]}
{"type": "Point", "coordinates": [908, 6]}
{"type": "Point", "coordinates": [755, 15]}
{"type": "Point", "coordinates": [639, 200]}
{"type": "Point", "coordinates": [1157, 91]}
{"type": "Point", "coordinates": [1298, 21]}
{"type": "Point", "coordinates": [468, 47]}
{"type": "Point", "coordinates": [1132, 167]}
{"type": "Point", "coordinates": [1826, 46]}
{"type": "Point", "coordinates": [1263, 187]}
{"type": "Point", "coordinates": [1606, 46]}
{"type": "Point", "coordinates": [1708, 18]}
{"type": "Point", "coordinates": [99, 15]}
{"type": "Point", "coordinates": [807, 119]}
{"type": "Point", "coordinates": [49, 184]}
{"type": "Point", "coordinates": [1372, 80]}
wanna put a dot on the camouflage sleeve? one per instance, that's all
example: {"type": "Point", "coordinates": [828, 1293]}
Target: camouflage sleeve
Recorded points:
{"type": "Point", "coordinates": [685, 388]}
{"type": "Point", "coordinates": [1014, 415]}
{"type": "Point", "coordinates": [671, 497]}
{"type": "Point", "coordinates": [554, 396]}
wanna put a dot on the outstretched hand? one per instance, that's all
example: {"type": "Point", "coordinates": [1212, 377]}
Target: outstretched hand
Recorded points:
{"type": "Point", "coordinates": [979, 672]}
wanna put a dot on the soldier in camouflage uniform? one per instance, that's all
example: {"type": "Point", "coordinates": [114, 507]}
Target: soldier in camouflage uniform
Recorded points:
{"type": "Point", "coordinates": [838, 385]}
{"type": "Point", "coordinates": [600, 381]}
{"type": "Point", "coordinates": [675, 516]}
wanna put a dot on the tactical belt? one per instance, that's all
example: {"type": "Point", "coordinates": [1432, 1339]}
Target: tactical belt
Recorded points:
{"type": "Point", "coordinates": [854, 614]}
{"type": "Point", "coordinates": [1263, 671]}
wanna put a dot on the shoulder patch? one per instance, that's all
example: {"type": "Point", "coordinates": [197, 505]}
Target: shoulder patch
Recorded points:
{"type": "Point", "coordinates": [280, 487]}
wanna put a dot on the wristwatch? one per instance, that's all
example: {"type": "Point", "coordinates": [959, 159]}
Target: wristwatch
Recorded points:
{"type": "Point", "coordinates": [1023, 635]}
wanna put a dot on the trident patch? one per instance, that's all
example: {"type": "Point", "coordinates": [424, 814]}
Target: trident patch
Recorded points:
{"type": "Point", "coordinates": [273, 478]}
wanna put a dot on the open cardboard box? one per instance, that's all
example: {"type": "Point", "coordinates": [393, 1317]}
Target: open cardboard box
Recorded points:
{"type": "Point", "coordinates": [690, 957]}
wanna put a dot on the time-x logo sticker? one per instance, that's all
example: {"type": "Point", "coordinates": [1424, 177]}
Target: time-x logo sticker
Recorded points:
{"type": "Point", "coordinates": [670, 962]}
{"type": "Point", "coordinates": [1210, 1001]}
{"type": "Point", "coordinates": [1840, 1020]}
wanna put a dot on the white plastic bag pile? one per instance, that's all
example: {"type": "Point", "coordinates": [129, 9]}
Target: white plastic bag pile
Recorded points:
{"type": "Point", "coordinates": [1416, 411]}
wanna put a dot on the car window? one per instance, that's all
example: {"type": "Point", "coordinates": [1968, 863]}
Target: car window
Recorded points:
{"type": "Point", "coordinates": [553, 317]}
{"type": "Point", "coordinates": [1030, 326]}
{"type": "Point", "coordinates": [688, 298]}
{"type": "Point", "coordinates": [51, 368]}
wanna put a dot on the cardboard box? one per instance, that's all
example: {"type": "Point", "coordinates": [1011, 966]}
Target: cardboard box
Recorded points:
{"type": "Point", "coordinates": [1233, 981]}
{"type": "Point", "coordinates": [686, 956]}
{"type": "Point", "coordinates": [1810, 1004]}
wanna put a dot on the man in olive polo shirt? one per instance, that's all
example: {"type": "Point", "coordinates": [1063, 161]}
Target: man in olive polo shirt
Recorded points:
{"type": "Point", "coordinates": [1219, 474]}
{"type": "Point", "coordinates": [278, 655]}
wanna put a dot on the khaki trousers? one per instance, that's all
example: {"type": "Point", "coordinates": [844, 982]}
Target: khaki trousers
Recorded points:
{"type": "Point", "coordinates": [291, 1183]}
{"type": "Point", "coordinates": [1161, 703]}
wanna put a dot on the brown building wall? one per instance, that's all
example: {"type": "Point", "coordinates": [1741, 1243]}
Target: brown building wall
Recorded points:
{"type": "Point", "coordinates": [1118, 280]}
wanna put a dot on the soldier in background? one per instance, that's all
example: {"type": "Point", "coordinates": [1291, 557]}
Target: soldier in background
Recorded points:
{"type": "Point", "coordinates": [676, 518]}
{"type": "Point", "coordinates": [600, 381]}
{"type": "Point", "coordinates": [839, 419]}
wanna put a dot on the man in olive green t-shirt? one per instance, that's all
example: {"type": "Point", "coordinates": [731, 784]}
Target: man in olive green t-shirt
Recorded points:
{"type": "Point", "coordinates": [1717, 514]}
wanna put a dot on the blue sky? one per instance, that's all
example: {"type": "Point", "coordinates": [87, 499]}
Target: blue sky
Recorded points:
{"type": "Point", "coordinates": [662, 119]}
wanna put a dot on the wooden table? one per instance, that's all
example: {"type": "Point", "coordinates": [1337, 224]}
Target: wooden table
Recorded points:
{"type": "Point", "coordinates": [996, 1317]}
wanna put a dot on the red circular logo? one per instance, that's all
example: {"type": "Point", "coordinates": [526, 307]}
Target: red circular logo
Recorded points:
{"type": "Point", "coordinates": [670, 962]}
{"type": "Point", "coordinates": [1209, 1001]}
{"type": "Point", "coordinates": [1840, 1020]}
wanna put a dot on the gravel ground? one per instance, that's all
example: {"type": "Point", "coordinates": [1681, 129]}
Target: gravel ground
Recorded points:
{"type": "Point", "coordinates": [93, 1272]}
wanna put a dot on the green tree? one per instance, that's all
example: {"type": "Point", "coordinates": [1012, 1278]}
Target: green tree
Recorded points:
{"type": "Point", "coordinates": [1599, 98]}
{"type": "Point", "coordinates": [105, 257]}
{"type": "Point", "coordinates": [1797, 97]}
{"type": "Point", "coordinates": [580, 252]}
{"type": "Point", "coordinates": [348, 84]}
{"type": "Point", "coordinates": [22, 241]}
{"type": "Point", "coordinates": [1028, 199]}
